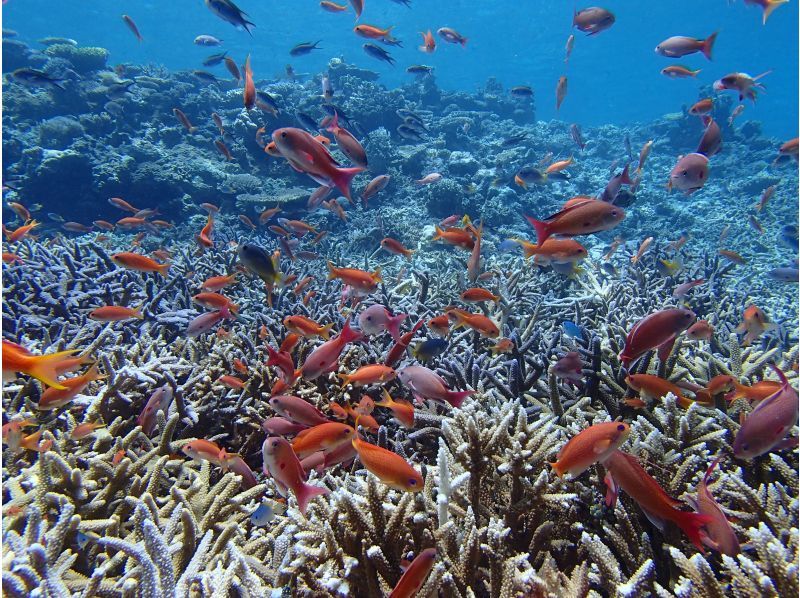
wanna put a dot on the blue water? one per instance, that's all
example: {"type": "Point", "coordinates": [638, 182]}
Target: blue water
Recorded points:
{"type": "Point", "coordinates": [614, 77]}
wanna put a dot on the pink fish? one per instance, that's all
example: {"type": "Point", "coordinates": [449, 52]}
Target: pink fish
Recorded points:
{"type": "Point", "coordinates": [711, 142]}
{"type": "Point", "coordinates": [680, 291]}
{"type": "Point", "coordinates": [376, 319]}
{"type": "Point", "coordinates": [426, 384]}
{"type": "Point", "coordinates": [160, 400]}
{"type": "Point", "coordinates": [284, 467]}
{"type": "Point", "coordinates": [297, 410]}
{"type": "Point", "coordinates": [325, 358]}
{"type": "Point", "coordinates": [658, 330]}
{"type": "Point", "coordinates": [569, 368]}
{"type": "Point", "coordinates": [348, 144]}
{"type": "Point", "coordinates": [279, 426]}
{"type": "Point", "coordinates": [719, 533]}
{"type": "Point", "coordinates": [205, 322]}
{"type": "Point", "coordinates": [766, 426]}
{"type": "Point", "coordinates": [234, 463]}
{"type": "Point", "coordinates": [689, 174]}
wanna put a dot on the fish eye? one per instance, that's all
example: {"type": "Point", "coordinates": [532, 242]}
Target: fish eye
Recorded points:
{"type": "Point", "coordinates": [621, 428]}
{"type": "Point", "coordinates": [586, 224]}
{"type": "Point", "coordinates": [274, 443]}
{"type": "Point", "coordinates": [745, 446]}
{"type": "Point", "coordinates": [685, 173]}
{"type": "Point", "coordinates": [369, 318]}
{"type": "Point", "coordinates": [613, 212]}
{"type": "Point", "coordinates": [283, 135]}
{"type": "Point", "coordinates": [412, 482]}
{"type": "Point", "coordinates": [701, 174]}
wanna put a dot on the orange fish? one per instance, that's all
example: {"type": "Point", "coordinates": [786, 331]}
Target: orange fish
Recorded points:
{"type": "Point", "coordinates": [642, 250]}
{"type": "Point", "coordinates": [581, 218]}
{"type": "Point", "coordinates": [120, 203]}
{"type": "Point", "coordinates": [216, 283]}
{"type": "Point", "coordinates": [732, 256]}
{"type": "Point", "coordinates": [478, 322]}
{"type": "Point", "coordinates": [652, 388]}
{"type": "Point", "coordinates": [140, 263]}
{"type": "Point", "coordinates": [204, 236]}
{"type": "Point", "coordinates": [503, 345]}
{"type": "Point", "coordinates": [676, 71]}
{"type": "Point", "coordinates": [389, 467]}
{"type": "Point", "coordinates": [267, 214]}
{"type": "Point", "coordinates": [307, 327]}
{"type": "Point", "coordinates": [289, 343]}
{"type": "Point", "coordinates": [590, 446]}
{"type": "Point", "coordinates": [215, 301]}
{"type": "Point", "coordinates": [12, 432]}
{"type": "Point", "coordinates": [554, 251]}
{"type": "Point", "coordinates": [440, 324]}
{"type": "Point", "coordinates": [223, 149]}
{"type": "Point", "coordinates": [11, 258]}
{"type": "Point", "coordinates": [402, 410]}
{"type": "Point", "coordinates": [428, 42]}
{"type": "Point", "coordinates": [396, 247]}
{"type": "Point", "coordinates": [455, 236]}
{"type": "Point", "coordinates": [560, 165]}
{"type": "Point", "coordinates": [116, 313]}
{"type": "Point", "coordinates": [702, 107]}
{"type": "Point", "coordinates": [415, 575]}
{"type": "Point", "coordinates": [21, 232]}
{"type": "Point", "coordinates": [83, 430]}
{"type": "Point", "coordinates": [45, 368]}
{"type": "Point", "coordinates": [478, 295]}
{"type": "Point", "coordinates": [323, 437]}
{"type": "Point", "coordinates": [369, 374]}
{"type": "Point", "coordinates": [232, 382]}
{"type": "Point", "coordinates": [240, 366]}
{"type": "Point", "coordinates": [700, 330]}
{"type": "Point", "coordinates": [281, 463]}
{"type": "Point", "coordinates": [358, 279]}
{"type": "Point", "coordinates": [757, 392]}
{"type": "Point", "coordinates": [754, 324]}
{"type": "Point", "coordinates": [53, 398]}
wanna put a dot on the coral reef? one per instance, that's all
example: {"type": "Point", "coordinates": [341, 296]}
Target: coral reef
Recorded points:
{"type": "Point", "coordinates": [121, 512]}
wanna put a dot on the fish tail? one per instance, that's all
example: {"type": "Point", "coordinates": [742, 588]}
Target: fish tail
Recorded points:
{"type": "Point", "coordinates": [557, 468]}
{"type": "Point", "coordinates": [45, 368]}
{"type": "Point", "coordinates": [386, 401]}
{"type": "Point", "coordinates": [393, 326]}
{"type": "Point", "coordinates": [345, 379]}
{"type": "Point", "coordinates": [770, 6]}
{"type": "Point", "coordinates": [349, 335]}
{"type": "Point", "coordinates": [439, 233]}
{"type": "Point", "coordinates": [163, 269]}
{"type": "Point", "coordinates": [708, 43]}
{"type": "Point", "coordinates": [331, 270]}
{"type": "Point", "coordinates": [342, 177]}
{"type": "Point", "coordinates": [691, 524]}
{"type": "Point", "coordinates": [542, 232]}
{"type": "Point", "coordinates": [305, 493]}
{"type": "Point", "coordinates": [456, 398]}
{"type": "Point", "coordinates": [326, 331]}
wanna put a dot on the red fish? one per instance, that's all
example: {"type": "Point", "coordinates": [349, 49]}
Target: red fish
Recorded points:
{"type": "Point", "coordinates": [624, 472]}
{"type": "Point", "coordinates": [415, 575]}
{"type": "Point", "coordinates": [132, 26]}
{"type": "Point", "coordinates": [249, 86]}
{"type": "Point", "coordinates": [719, 533]}
{"type": "Point", "coordinates": [658, 330]}
{"type": "Point", "coordinates": [325, 358]}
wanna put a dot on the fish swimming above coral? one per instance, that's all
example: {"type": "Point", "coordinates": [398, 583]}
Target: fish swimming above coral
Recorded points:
{"type": "Point", "coordinates": [288, 310]}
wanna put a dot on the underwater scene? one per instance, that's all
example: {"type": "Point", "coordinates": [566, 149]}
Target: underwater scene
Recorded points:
{"type": "Point", "coordinates": [365, 298]}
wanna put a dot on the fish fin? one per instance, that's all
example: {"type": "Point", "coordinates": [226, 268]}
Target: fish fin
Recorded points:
{"type": "Point", "coordinates": [635, 403]}
{"type": "Point", "coordinates": [326, 331]}
{"type": "Point", "coordinates": [612, 492]}
{"type": "Point", "coordinates": [45, 368]}
{"type": "Point", "coordinates": [653, 518]}
{"type": "Point", "coordinates": [791, 442]}
{"type": "Point", "coordinates": [456, 398]}
{"type": "Point", "coordinates": [691, 524]}
{"type": "Point", "coordinates": [345, 379]}
{"type": "Point", "coordinates": [708, 43]}
{"type": "Point", "coordinates": [342, 177]}
{"type": "Point", "coordinates": [542, 232]}
{"type": "Point", "coordinates": [331, 270]}
{"type": "Point", "coordinates": [664, 349]}
{"type": "Point", "coordinates": [393, 326]}
{"type": "Point", "coordinates": [556, 468]}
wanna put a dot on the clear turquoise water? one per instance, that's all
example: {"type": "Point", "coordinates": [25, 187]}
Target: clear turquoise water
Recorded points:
{"type": "Point", "coordinates": [613, 77]}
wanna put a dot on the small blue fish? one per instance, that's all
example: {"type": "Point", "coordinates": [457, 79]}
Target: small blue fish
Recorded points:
{"type": "Point", "coordinates": [428, 349]}
{"type": "Point", "coordinates": [262, 515]}
{"type": "Point", "coordinates": [572, 330]}
{"type": "Point", "coordinates": [55, 217]}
